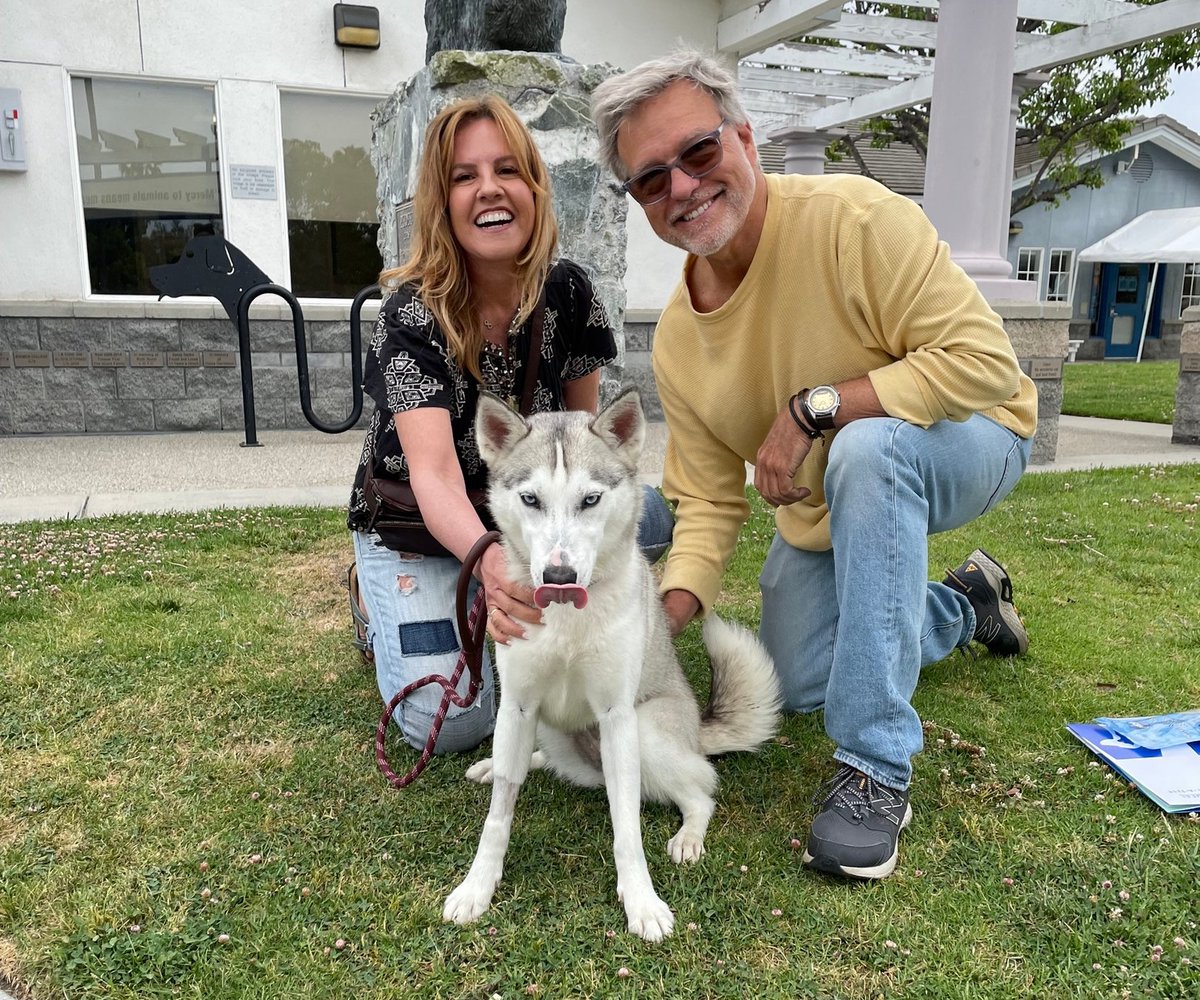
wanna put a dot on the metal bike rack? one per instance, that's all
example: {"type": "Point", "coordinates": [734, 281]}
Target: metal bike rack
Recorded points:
{"type": "Point", "coordinates": [211, 265]}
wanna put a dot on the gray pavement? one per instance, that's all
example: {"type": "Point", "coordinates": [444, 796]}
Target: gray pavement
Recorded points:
{"type": "Point", "coordinates": [70, 476]}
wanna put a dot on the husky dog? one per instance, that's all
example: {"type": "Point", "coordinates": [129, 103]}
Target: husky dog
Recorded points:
{"type": "Point", "coordinates": [597, 685]}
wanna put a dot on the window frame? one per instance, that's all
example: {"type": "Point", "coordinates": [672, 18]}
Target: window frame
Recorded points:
{"type": "Point", "coordinates": [1191, 277]}
{"type": "Point", "coordinates": [77, 167]}
{"type": "Point", "coordinates": [281, 93]}
{"type": "Point", "coordinates": [1041, 260]}
{"type": "Point", "coordinates": [1069, 273]}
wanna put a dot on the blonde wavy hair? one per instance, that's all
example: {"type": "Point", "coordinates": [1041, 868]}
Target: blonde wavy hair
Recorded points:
{"type": "Point", "coordinates": [436, 264]}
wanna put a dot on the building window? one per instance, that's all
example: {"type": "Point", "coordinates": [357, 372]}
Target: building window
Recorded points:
{"type": "Point", "coordinates": [148, 176]}
{"type": "Point", "coordinates": [1029, 264]}
{"type": "Point", "coordinates": [332, 207]}
{"type": "Point", "coordinates": [1059, 276]}
{"type": "Point", "coordinates": [1191, 287]}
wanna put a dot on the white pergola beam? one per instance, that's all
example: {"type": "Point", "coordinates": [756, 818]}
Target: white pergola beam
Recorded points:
{"type": "Point", "coordinates": [744, 27]}
{"type": "Point", "coordinates": [770, 102]}
{"type": "Point", "coordinates": [761, 24]}
{"type": "Point", "coordinates": [1040, 52]}
{"type": "Point", "coordinates": [875, 29]}
{"type": "Point", "coordinates": [1062, 11]}
{"type": "Point", "coordinates": [788, 81]}
{"type": "Point", "coordinates": [1144, 23]}
{"type": "Point", "coordinates": [842, 60]}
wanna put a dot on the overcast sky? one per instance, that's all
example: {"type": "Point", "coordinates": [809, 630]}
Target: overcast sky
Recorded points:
{"type": "Point", "coordinates": [1184, 103]}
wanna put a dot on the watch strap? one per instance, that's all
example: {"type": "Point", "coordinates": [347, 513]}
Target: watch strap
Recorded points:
{"type": "Point", "coordinates": [810, 429]}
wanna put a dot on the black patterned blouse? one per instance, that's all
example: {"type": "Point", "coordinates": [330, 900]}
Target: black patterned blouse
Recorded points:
{"type": "Point", "coordinates": [408, 366]}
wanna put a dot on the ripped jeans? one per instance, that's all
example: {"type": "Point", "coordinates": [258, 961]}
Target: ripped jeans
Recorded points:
{"type": "Point", "coordinates": [413, 630]}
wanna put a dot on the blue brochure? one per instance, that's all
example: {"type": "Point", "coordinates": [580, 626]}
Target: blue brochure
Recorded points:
{"type": "Point", "coordinates": [1169, 777]}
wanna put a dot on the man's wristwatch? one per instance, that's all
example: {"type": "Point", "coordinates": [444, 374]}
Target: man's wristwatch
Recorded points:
{"type": "Point", "coordinates": [820, 406]}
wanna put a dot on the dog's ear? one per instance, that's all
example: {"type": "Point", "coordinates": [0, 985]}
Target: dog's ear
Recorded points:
{"type": "Point", "coordinates": [497, 428]}
{"type": "Point", "coordinates": [622, 424]}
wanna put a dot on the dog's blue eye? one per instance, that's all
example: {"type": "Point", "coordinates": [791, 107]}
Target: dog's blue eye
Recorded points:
{"type": "Point", "coordinates": [529, 500]}
{"type": "Point", "coordinates": [591, 500]}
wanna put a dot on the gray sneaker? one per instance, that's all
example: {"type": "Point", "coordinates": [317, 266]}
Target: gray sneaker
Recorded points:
{"type": "Point", "coordinates": [985, 584]}
{"type": "Point", "coordinates": [857, 831]}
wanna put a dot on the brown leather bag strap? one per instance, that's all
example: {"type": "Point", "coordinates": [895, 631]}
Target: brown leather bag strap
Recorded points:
{"type": "Point", "coordinates": [535, 354]}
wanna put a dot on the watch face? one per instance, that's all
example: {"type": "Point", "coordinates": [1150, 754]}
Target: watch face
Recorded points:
{"type": "Point", "coordinates": [822, 399]}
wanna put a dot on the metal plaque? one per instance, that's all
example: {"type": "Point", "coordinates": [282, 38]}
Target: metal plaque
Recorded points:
{"type": "Point", "coordinates": [1045, 368]}
{"type": "Point", "coordinates": [220, 359]}
{"type": "Point", "coordinates": [252, 181]}
{"type": "Point", "coordinates": [184, 359]}
{"type": "Point", "coordinates": [5, 359]}
{"type": "Point", "coordinates": [31, 359]}
{"type": "Point", "coordinates": [404, 229]}
{"type": "Point", "coordinates": [146, 359]}
{"type": "Point", "coordinates": [1189, 362]}
{"type": "Point", "coordinates": [110, 359]}
{"type": "Point", "coordinates": [71, 359]}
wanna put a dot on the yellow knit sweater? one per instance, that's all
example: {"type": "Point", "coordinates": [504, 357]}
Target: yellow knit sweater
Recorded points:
{"type": "Point", "coordinates": [848, 279]}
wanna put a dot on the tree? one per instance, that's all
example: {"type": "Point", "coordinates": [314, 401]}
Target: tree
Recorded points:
{"type": "Point", "coordinates": [1089, 103]}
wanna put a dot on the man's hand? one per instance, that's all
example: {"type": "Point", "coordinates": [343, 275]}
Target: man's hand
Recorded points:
{"type": "Point", "coordinates": [780, 455]}
{"type": "Point", "coordinates": [681, 607]}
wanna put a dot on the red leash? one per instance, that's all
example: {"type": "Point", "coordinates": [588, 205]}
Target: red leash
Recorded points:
{"type": "Point", "coordinates": [472, 628]}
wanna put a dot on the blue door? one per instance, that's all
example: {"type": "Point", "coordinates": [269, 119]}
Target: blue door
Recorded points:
{"type": "Point", "coordinates": [1122, 308]}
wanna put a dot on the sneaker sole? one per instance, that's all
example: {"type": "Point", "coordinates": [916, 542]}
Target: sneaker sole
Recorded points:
{"type": "Point", "coordinates": [995, 574]}
{"type": "Point", "coordinates": [829, 866]}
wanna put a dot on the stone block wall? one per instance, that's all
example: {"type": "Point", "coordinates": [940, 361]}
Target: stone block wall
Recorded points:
{"type": "Point", "coordinates": [1039, 334]}
{"type": "Point", "coordinates": [101, 368]}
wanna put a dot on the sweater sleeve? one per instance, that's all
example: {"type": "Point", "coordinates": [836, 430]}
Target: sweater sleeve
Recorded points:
{"type": "Point", "coordinates": [707, 483]}
{"type": "Point", "coordinates": [954, 358]}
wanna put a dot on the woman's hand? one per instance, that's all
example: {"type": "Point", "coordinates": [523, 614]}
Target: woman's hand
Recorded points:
{"type": "Point", "coordinates": [510, 605]}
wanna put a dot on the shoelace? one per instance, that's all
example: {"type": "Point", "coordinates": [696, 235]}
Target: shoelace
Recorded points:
{"type": "Point", "coordinates": [853, 790]}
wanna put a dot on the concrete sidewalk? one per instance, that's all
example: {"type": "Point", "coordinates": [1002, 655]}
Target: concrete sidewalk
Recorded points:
{"type": "Point", "coordinates": [44, 477]}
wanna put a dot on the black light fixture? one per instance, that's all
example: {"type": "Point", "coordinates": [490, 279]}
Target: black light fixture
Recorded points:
{"type": "Point", "coordinates": [356, 26]}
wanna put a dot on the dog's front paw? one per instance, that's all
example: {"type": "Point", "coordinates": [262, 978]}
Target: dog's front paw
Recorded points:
{"type": "Point", "coordinates": [685, 847]}
{"type": "Point", "coordinates": [649, 917]}
{"type": "Point", "coordinates": [481, 771]}
{"type": "Point", "coordinates": [468, 902]}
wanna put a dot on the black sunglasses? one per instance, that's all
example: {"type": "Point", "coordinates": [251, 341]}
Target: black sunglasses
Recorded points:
{"type": "Point", "coordinates": [700, 158]}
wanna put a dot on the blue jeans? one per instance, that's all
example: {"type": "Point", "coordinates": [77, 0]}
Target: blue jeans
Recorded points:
{"type": "Point", "coordinates": [413, 630]}
{"type": "Point", "coordinates": [850, 628]}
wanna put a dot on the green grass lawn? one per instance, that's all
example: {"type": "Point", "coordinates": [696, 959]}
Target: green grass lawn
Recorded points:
{"type": "Point", "coordinates": [1121, 390]}
{"type": "Point", "coordinates": [189, 805]}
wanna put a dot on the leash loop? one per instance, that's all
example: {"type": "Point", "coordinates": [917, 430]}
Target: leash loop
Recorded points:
{"type": "Point", "coordinates": [472, 628]}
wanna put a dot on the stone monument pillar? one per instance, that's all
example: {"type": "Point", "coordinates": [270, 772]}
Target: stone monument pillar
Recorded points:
{"type": "Point", "coordinates": [551, 93]}
{"type": "Point", "coordinates": [1187, 393]}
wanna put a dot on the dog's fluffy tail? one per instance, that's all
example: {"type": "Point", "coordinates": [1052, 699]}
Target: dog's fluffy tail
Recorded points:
{"type": "Point", "coordinates": [743, 709]}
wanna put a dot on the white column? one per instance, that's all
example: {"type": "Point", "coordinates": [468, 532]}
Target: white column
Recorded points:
{"type": "Point", "coordinates": [968, 172]}
{"type": "Point", "coordinates": [804, 148]}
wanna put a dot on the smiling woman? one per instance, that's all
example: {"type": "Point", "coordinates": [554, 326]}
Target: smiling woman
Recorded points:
{"type": "Point", "coordinates": [462, 316]}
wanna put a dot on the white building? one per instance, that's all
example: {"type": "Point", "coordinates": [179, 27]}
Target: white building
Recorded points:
{"type": "Point", "coordinates": [139, 123]}
{"type": "Point", "coordinates": [142, 119]}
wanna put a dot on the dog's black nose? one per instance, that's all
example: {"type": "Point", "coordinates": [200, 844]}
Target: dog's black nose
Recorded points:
{"type": "Point", "coordinates": [558, 574]}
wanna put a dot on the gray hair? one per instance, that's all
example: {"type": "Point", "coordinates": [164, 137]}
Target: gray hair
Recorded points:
{"type": "Point", "coordinates": [620, 96]}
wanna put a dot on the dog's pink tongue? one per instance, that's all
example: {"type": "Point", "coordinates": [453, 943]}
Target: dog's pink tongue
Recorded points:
{"type": "Point", "coordinates": [560, 593]}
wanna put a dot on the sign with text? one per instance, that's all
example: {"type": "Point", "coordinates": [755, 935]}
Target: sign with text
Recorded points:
{"type": "Point", "coordinates": [250, 181]}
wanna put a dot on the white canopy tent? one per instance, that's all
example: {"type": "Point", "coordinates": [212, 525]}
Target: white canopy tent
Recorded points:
{"type": "Point", "coordinates": [1162, 236]}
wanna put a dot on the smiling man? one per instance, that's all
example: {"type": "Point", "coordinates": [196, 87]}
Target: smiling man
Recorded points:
{"type": "Point", "coordinates": [821, 332]}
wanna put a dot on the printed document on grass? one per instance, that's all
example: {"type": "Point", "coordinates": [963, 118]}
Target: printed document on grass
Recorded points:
{"type": "Point", "coordinates": [1170, 776]}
